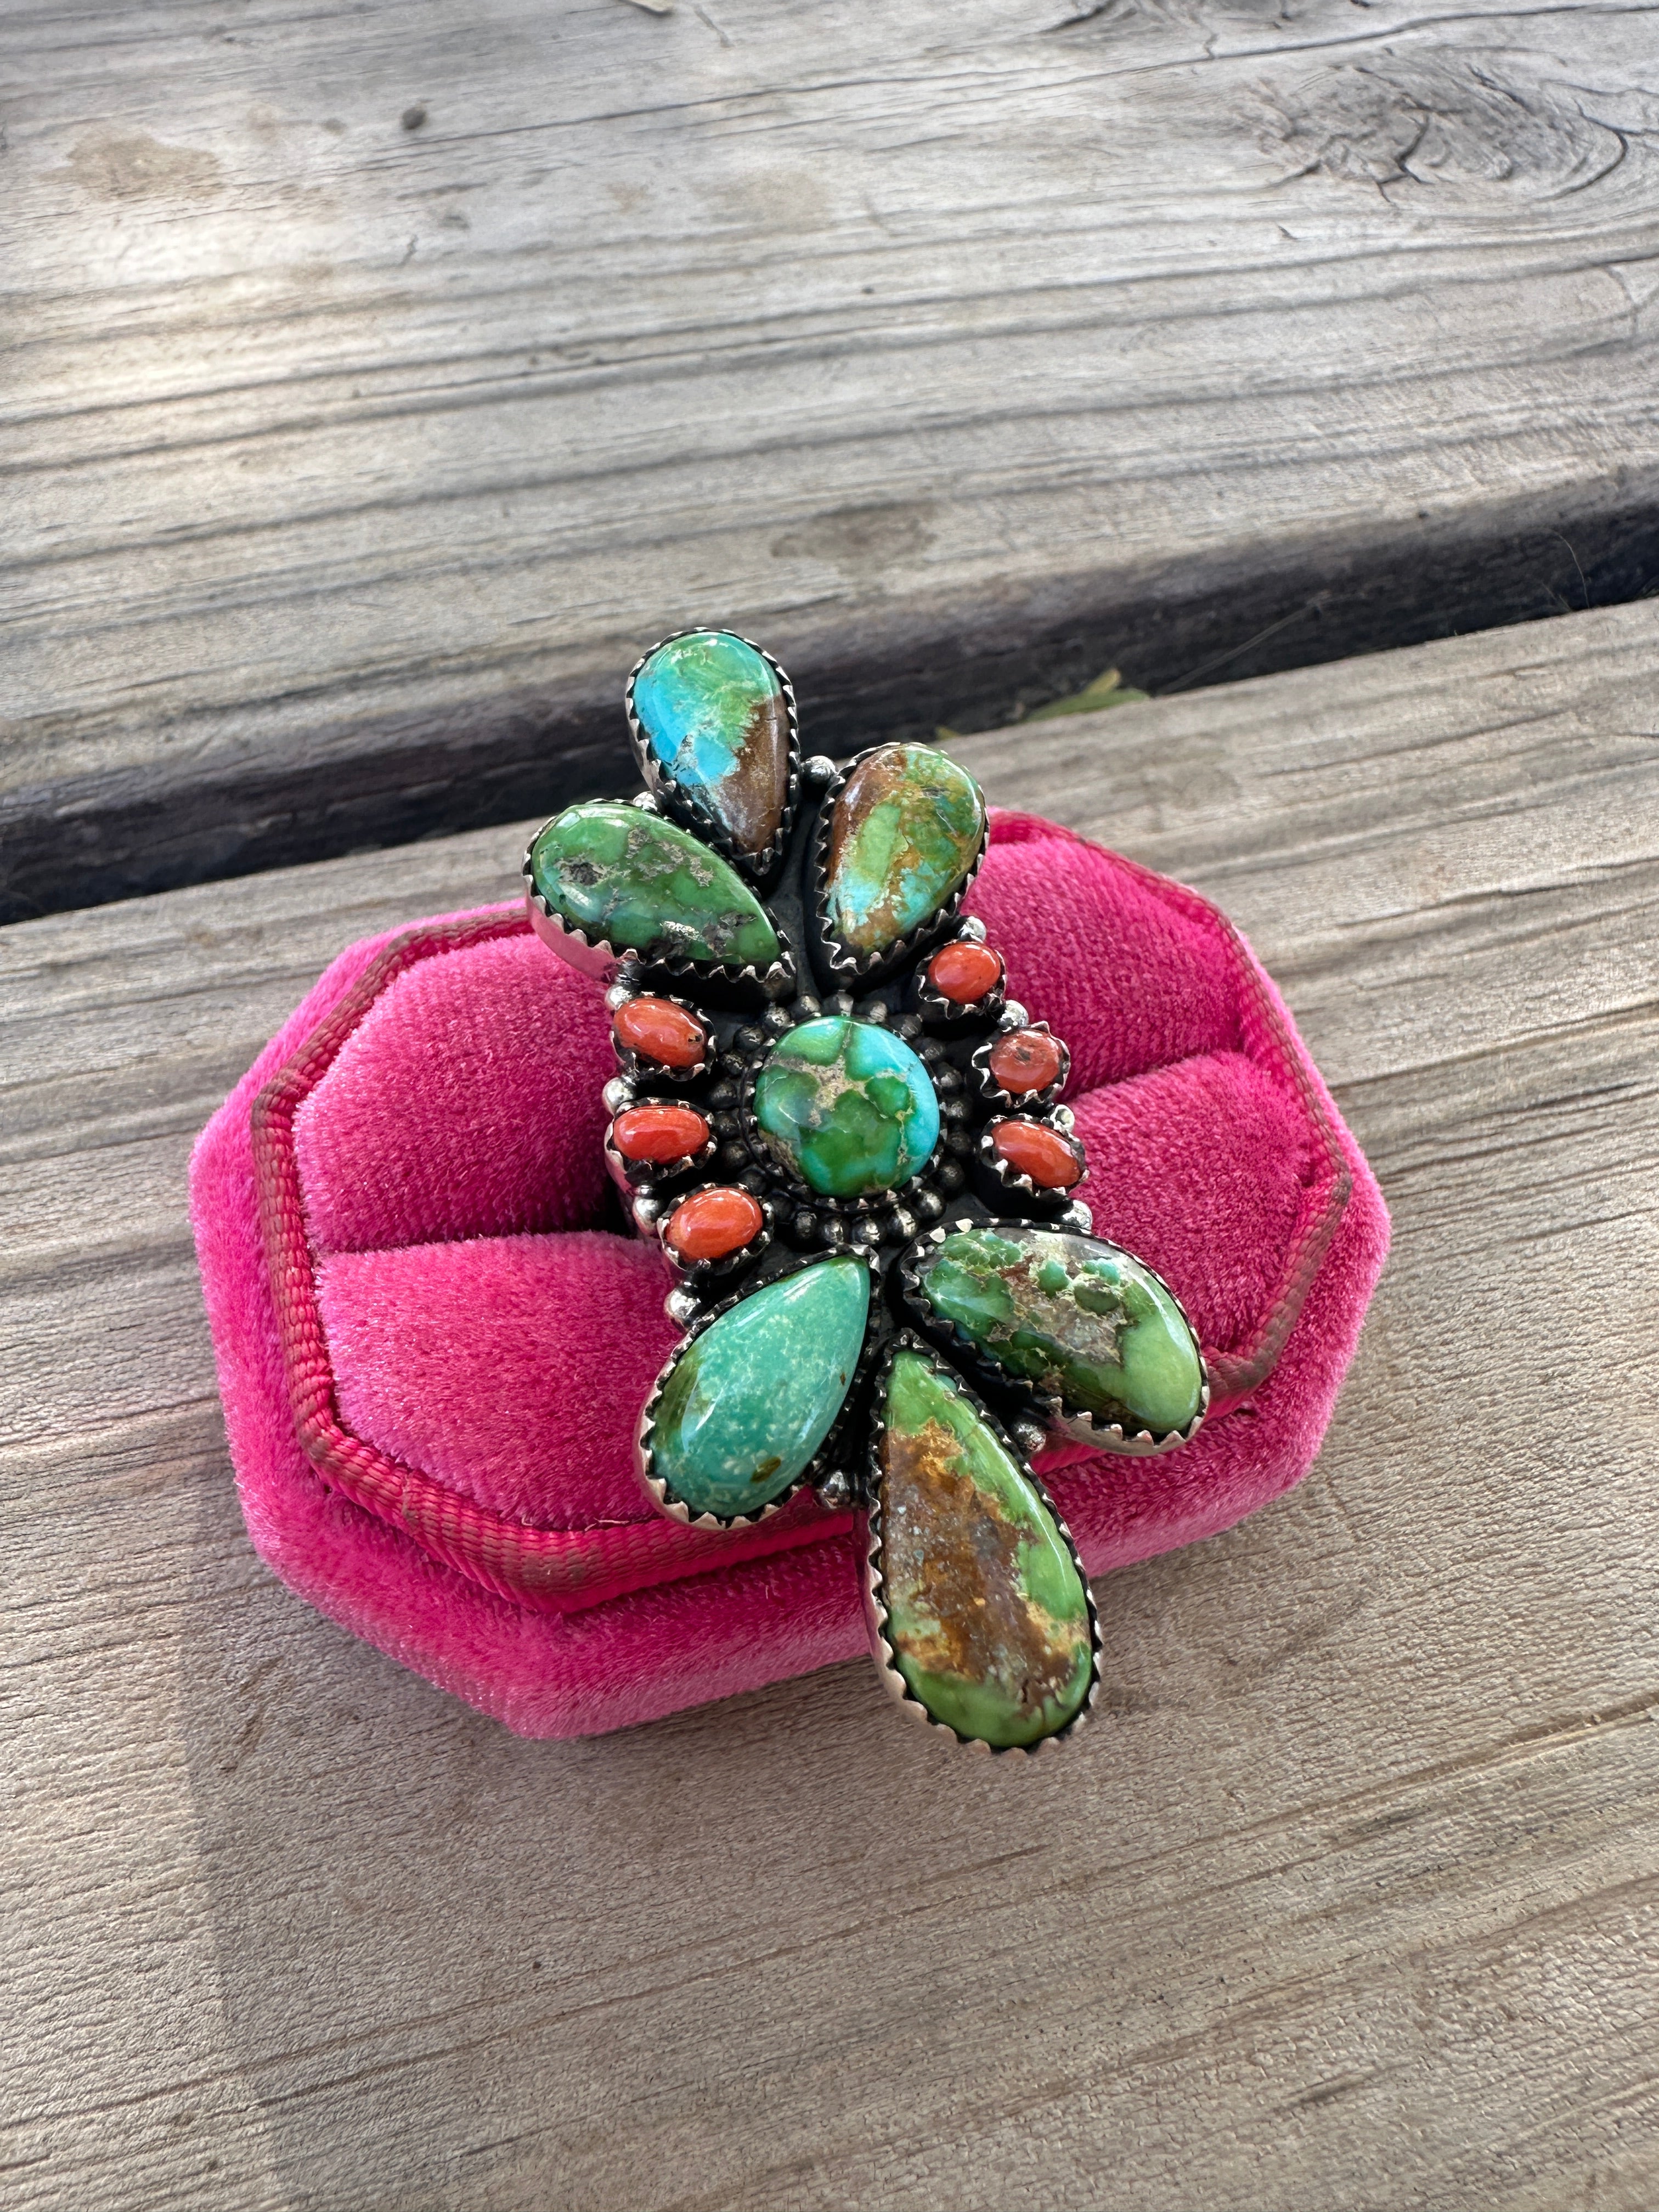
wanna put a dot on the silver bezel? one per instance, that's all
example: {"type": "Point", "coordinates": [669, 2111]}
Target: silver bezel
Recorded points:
{"type": "Point", "coordinates": [598, 956]}
{"type": "Point", "coordinates": [939, 1013]}
{"type": "Point", "coordinates": [1027, 1104]}
{"type": "Point", "coordinates": [639, 1176]}
{"type": "Point", "coordinates": [1004, 1173]}
{"type": "Point", "coordinates": [869, 968]}
{"type": "Point", "coordinates": [695, 1274]}
{"type": "Point", "coordinates": [874, 1579]}
{"type": "Point", "coordinates": [688, 811]}
{"type": "Point", "coordinates": [784, 1173]}
{"type": "Point", "coordinates": [1059, 1418]}
{"type": "Point", "coordinates": [823, 1460]}
{"type": "Point", "coordinates": [640, 1064]}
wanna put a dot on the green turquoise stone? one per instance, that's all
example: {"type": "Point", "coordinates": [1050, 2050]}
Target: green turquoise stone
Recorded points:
{"type": "Point", "coordinates": [626, 875]}
{"type": "Point", "coordinates": [987, 1612]}
{"type": "Point", "coordinates": [846, 1106]}
{"type": "Point", "coordinates": [713, 714]}
{"type": "Point", "coordinates": [749, 1402]}
{"type": "Point", "coordinates": [905, 834]}
{"type": "Point", "coordinates": [1083, 1321]}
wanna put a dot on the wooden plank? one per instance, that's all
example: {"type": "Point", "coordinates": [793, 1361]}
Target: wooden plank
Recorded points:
{"type": "Point", "coordinates": [1352, 1899]}
{"type": "Point", "coordinates": [957, 349]}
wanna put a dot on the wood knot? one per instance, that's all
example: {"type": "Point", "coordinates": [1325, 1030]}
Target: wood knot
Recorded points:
{"type": "Point", "coordinates": [1465, 126]}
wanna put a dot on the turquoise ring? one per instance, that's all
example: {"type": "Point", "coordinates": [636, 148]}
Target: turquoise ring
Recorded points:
{"type": "Point", "coordinates": [852, 1149]}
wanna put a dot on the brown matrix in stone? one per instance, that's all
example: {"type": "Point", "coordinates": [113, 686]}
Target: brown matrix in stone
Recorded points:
{"type": "Point", "coordinates": [955, 1554]}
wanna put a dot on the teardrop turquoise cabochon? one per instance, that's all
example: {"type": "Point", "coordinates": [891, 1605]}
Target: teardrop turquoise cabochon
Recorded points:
{"type": "Point", "coordinates": [713, 714]}
{"type": "Point", "coordinates": [621, 873]}
{"type": "Point", "coordinates": [988, 1616]}
{"type": "Point", "coordinates": [748, 1403]}
{"type": "Point", "coordinates": [905, 834]}
{"type": "Point", "coordinates": [1081, 1318]}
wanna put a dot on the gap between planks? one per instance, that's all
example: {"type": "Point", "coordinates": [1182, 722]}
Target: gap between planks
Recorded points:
{"type": "Point", "coordinates": [957, 351]}
{"type": "Point", "coordinates": [1350, 1902]}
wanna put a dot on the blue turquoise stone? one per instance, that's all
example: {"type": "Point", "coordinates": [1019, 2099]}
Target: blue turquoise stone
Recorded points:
{"type": "Point", "coordinates": [846, 1106]}
{"type": "Point", "coordinates": [905, 834]}
{"type": "Point", "coordinates": [749, 1402]}
{"type": "Point", "coordinates": [713, 714]}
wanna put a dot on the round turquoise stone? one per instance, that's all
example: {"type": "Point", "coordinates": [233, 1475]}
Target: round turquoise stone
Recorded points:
{"type": "Point", "coordinates": [748, 1403]}
{"type": "Point", "coordinates": [847, 1107]}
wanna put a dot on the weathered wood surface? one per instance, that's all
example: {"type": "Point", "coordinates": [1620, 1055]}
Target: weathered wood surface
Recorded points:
{"type": "Point", "coordinates": [957, 349]}
{"type": "Point", "coordinates": [1351, 1900]}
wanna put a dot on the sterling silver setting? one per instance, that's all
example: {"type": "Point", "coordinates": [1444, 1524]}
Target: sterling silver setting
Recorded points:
{"type": "Point", "coordinates": [1000, 1173]}
{"type": "Point", "coordinates": [1019, 1102]}
{"type": "Point", "coordinates": [598, 957]}
{"type": "Point", "coordinates": [849, 967]}
{"type": "Point", "coordinates": [828, 1457]}
{"type": "Point", "coordinates": [743, 1011]}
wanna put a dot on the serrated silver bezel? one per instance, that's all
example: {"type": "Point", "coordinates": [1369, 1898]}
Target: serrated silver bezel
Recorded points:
{"type": "Point", "coordinates": [1027, 1104]}
{"type": "Point", "coordinates": [875, 1607]}
{"type": "Point", "coordinates": [638, 1064]}
{"type": "Point", "coordinates": [823, 1460]}
{"type": "Point", "coordinates": [598, 957]}
{"type": "Point", "coordinates": [695, 1274]}
{"type": "Point", "coordinates": [1060, 1420]}
{"type": "Point", "coordinates": [939, 1013]}
{"type": "Point", "coordinates": [688, 811]}
{"type": "Point", "coordinates": [869, 968]}
{"type": "Point", "coordinates": [1012, 1178]}
{"type": "Point", "coordinates": [784, 1173]}
{"type": "Point", "coordinates": [640, 1176]}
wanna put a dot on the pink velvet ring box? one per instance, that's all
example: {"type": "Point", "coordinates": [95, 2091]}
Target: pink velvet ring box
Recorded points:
{"type": "Point", "coordinates": [433, 1356]}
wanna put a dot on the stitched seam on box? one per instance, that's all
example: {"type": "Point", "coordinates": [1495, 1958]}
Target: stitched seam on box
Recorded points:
{"type": "Point", "coordinates": [564, 1569]}
{"type": "Point", "coordinates": [1235, 1373]}
{"type": "Point", "coordinates": [556, 1569]}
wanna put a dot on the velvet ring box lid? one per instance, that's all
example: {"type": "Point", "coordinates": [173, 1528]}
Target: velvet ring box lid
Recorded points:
{"type": "Point", "coordinates": [434, 1344]}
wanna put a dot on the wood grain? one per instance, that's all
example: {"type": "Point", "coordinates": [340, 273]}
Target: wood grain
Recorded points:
{"type": "Point", "coordinates": [377, 381]}
{"type": "Point", "coordinates": [1351, 1901]}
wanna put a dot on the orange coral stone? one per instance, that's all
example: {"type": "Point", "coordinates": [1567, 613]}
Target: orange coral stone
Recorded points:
{"type": "Point", "coordinates": [965, 972]}
{"type": "Point", "coordinates": [1052, 1161]}
{"type": "Point", "coordinates": [658, 1029]}
{"type": "Point", "coordinates": [658, 1134]}
{"type": "Point", "coordinates": [711, 1223]}
{"type": "Point", "coordinates": [1026, 1060]}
